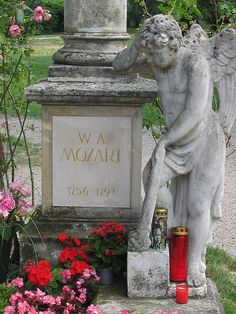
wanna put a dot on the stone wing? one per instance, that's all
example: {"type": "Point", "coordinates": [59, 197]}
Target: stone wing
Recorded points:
{"type": "Point", "coordinates": [220, 50]}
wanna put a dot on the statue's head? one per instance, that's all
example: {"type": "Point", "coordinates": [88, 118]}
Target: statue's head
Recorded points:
{"type": "Point", "coordinates": [160, 38]}
{"type": "Point", "coordinates": [160, 30]}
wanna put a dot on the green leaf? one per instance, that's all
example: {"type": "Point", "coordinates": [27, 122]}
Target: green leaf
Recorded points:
{"type": "Point", "coordinates": [2, 37]}
{"type": "Point", "coordinates": [215, 100]}
{"type": "Point", "coordinates": [5, 232]}
{"type": "Point", "coordinates": [20, 15]}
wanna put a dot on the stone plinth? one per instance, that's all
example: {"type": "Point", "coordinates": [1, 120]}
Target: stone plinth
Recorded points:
{"type": "Point", "coordinates": [148, 274]}
{"type": "Point", "coordinates": [91, 128]}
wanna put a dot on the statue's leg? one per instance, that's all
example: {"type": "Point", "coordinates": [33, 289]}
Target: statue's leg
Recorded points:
{"type": "Point", "coordinates": [202, 187]}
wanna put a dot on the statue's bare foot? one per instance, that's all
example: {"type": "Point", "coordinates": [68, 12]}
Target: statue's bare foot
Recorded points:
{"type": "Point", "coordinates": [139, 240]}
{"type": "Point", "coordinates": [195, 278]}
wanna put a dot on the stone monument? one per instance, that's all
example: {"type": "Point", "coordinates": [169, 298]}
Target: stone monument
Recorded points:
{"type": "Point", "coordinates": [91, 127]}
{"type": "Point", "coordinates": [191, 152]}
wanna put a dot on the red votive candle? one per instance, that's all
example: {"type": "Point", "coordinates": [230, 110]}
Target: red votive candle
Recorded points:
{"type": "Point", "coordinates": [178, 254]}
{"type": "Point", "coordinates": [182, 294]}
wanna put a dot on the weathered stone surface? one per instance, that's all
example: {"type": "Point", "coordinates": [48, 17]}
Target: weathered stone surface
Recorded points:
{"type": "Point", "coordinates": [113, 299]}
{"type": "Point", "coordinates": [148, 274]}
{"type": "Point", "coordinates": [97, 93]}
{"type": "Point", "coordinates": [95, 16]}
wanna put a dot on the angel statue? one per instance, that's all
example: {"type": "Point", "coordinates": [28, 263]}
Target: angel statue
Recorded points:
{"type": "Point", "coordinates": [190, 155]}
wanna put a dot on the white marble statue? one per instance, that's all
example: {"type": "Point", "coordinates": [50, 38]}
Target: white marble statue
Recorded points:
{"type": "Point", "coordinates": [192, 151]}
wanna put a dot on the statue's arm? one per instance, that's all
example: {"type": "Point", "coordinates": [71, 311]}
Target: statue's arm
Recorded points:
{"type": "Point", "coordinates": [130, 59]}
{"type": "Point", "coordinates": [196, 100]}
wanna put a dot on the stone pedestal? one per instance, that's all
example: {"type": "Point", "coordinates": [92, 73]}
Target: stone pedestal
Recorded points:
{"type": "Point", "coordinates": [148, 274]}
{"type": "Point", "coordinates": [91, 129]}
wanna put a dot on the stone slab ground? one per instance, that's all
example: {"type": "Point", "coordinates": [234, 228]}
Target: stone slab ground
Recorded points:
{"type": "Point", "coordinates": [113, 299]}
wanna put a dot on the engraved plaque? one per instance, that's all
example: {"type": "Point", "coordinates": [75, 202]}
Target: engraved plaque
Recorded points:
{"type": "Point", "coordinates": [91, 161]}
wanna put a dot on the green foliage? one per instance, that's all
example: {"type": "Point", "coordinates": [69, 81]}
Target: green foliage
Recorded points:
{"type": "Point", "coordinates": [153, 118]}
{"type": "Point", "coordinates": [221, 268]}
{"type": "Point", "coordinates": [5, 294]}
{"type": "Point", "coordinates": [56, 8]}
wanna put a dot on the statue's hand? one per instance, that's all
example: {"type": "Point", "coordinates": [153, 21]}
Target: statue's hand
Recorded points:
{"type": "Point", "coordinates": [139, 240]}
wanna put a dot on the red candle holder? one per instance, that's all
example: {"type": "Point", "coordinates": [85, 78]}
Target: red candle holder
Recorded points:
{"type": "Point", "coordinates": [178, 254]}
{"type": "Point", "coordinates": [182, 294]}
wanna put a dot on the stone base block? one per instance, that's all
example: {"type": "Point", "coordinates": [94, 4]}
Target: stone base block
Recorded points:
{"type": "Point", "coordinates": [193, 292]}
{"type": "Point", "coordinates": [148, 274]}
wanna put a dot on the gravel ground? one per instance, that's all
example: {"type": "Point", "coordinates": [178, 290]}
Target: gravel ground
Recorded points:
{"type": "Point", "coordinates": [225, 232]}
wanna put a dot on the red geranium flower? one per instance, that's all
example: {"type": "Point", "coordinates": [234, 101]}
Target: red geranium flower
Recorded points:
{"type": "Point", "coordinates": [63, 237]}
{"type": "Point", "coordinates": [40, 275]}
{"type": "Point", "coordinates": [68, 254]}
{"type": "Point", "coordinates": [76, 241]}
{"type": "Point", "coordinates": [78, 267]}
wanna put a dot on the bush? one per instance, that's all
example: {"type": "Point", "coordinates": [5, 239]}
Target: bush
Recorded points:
{"type": "Point", "coordinates": [56, 8]}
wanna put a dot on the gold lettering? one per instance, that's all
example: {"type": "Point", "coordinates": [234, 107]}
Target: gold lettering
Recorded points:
{"type": "Point", "coordinates": [112, 153]}
{"type": "Point", "coordinates": [68, 154]}
{"type": "Point", "coordinates": [77, 154]}
{"type": "Point", "coordinates": [101, 139]}
{"type": "Point", "coordinates": [84, 138]}
{"type": "Point", "coordinates": [90, 154]}
{"type": "Point", "coordinates": [99, 153]}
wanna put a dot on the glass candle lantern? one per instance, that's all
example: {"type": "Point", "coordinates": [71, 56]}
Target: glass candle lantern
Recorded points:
{"type": "Point", "coordinates": [159, 229]}
{"type": "Point", "coordinates": [178, 254]}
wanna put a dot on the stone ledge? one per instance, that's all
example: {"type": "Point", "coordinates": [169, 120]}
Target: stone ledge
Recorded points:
{"type": "Point", "coordinates": [113, 299]}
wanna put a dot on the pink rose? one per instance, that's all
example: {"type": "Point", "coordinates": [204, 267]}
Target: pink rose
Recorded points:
{"type": "Point", "coordinates": [38, 14]}
{"type": "Point", "coordinates": [47, 16]}
{"type": "Point", "coordinates": [17, 186]}
{"type": "Point", "coordinates": [24, 207]}
{"type": "Point", "coordinates": [125, 312]}
{"type": "Point", "coordinates": [14, 30]}
{"type": "Point", "coordinates": [7, 203]}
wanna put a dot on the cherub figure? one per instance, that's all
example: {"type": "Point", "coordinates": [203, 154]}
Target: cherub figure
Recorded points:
{"type": "Point", "coordinates": [192, 151]}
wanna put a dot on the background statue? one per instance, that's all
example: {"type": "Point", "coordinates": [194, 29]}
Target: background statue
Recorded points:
{"type": "Point", "coordinates": [192, 151]}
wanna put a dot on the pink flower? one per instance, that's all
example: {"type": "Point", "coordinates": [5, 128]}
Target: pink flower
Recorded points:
{"type": "Point", "coordinates": [39, 295]}
{"type": "Point", "coordinates": [25, 207]}
{"type": "Point", "coordinates": [23, 307]}
{"type": "Point", "coordinates": [87, 274]}
{"type": "Point", "coordinates": [79, 283]}
{"type": "Point", "coordinates": [48, 299]}
{"type": "Point", "coordinates": [58, 300]}
{"type": "Point", "coordinates": [17, 186]}
{"type": "Point", "coordinates": [125, 312]}
{"type": "Point", "coordinates": [17, 282]}
{"type": "Point", "coordinates": [32, 310]}
{"type": "Point", "coordinates": [15, 30]}
{"type": "Point", "coordinates": [66, 275]}
{"type": "Point", "coordinates": [30, 295]}
{"type": "Point", "coordinates": [15, 298]}
{"type": "Point", "coordinates": [7, 203]}
{"type": "Point", "coordinates": [47, 16]}
{"type": "Point", "coordinates": [9, 310]}
{"type": "Point", "coordinates": [94, 309]}
{"type": "Point", "coordinates": [82, 298]}
{"type": "Point", "coordinates": [38, 14]}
